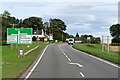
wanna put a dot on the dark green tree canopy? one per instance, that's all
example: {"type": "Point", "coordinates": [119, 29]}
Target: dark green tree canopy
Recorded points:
{"type": "Point", "coordinates": [115, 32]}
{"type": "Point", "coordinates": [77, 35]}
{"type": "Point", "coordinates": [57, 26]}
{"type": "Point", "coordinates": [34, 22]}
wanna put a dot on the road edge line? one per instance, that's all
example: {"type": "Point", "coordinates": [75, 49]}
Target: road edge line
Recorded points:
{"type": "Point", "coordinates": [97, 58]}
{"type": "Point", "coordinates": [36, 63]}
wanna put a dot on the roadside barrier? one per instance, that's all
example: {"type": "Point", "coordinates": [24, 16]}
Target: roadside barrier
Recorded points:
{"type": "Point", "coordinates": [30, 50]}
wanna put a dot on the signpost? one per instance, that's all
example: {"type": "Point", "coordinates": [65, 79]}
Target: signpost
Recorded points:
{"type": "Point", "coordinates": [105, 40]}
{"type": "Point", "coordinates": [19, 35]}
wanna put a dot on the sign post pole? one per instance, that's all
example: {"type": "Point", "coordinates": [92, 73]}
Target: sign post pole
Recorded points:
{"type": "Point", "coordinates": [22, 46]}
{"type": "Point", "coordinates": [102, 45]}
{"type": "Point", "coordinates": [108, 43]}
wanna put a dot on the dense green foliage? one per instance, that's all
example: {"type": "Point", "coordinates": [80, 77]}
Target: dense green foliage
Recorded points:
{"type": "Point", "coordinates": [115, 44]}
{"type": "Point", "coordinates": [115, 32]}
{"type": "Point", "coordinates": [55, 26]}
{"type": "Point", "coordinates": [93, 40]}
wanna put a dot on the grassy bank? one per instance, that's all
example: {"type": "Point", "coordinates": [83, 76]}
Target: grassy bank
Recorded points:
{"type": "Point", "coordinates": [12, 66]}
{"type": "Point", "coordinates": [96, 49]}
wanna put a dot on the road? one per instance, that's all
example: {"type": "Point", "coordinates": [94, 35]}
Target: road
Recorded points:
{"type": "Point", "coordinates": [62, 61]}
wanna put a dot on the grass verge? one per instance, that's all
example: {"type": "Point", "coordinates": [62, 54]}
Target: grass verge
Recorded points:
{"type": "Point", "coordinates": [12, 66]}
{"type": "Point", "coordinates": [96, 50]}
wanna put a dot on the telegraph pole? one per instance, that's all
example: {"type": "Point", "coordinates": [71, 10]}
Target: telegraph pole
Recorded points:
{"type": "Point", "coordinates": [13, 25]}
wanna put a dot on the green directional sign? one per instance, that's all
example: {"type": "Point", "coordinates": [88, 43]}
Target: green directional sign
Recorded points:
{"type": "Point", "coordinates": [19, 35]}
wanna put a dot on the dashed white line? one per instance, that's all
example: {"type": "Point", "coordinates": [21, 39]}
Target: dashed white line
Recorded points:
{"type": "Point", "coordinates": [65, 54]}
{"type": "Point", "coordinates": [82, 74]}
{"type": "Point", "coordinates": [36, 63]}
{"type": "Point", "coordinates": [76, 64]}
{"type": "Point", "coordinates": [97, 58]}
{"type": "Point", "coordinates": [71, 62]}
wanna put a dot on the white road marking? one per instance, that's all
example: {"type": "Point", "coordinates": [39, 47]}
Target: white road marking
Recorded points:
{"type": "Point", "coordinates": [65, 54]}
{"type": "Point", "coordinates": [36, 64]}
{"type": "Point", "coordinates": [117, 66]}
{"type": "Point", "coordinates": [76, 64]}
{"type": "Point", "coordinates": [82, 74]}
{"type": "Point", "coordinates": [0, 67]}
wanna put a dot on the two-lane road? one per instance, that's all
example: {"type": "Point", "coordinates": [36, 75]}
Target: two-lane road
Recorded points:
{"type": "Point", "coordinates": [62, 61]}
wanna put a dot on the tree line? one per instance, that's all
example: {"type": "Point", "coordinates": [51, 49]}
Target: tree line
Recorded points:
{"type": "Point", "coordinates": [54, 26]}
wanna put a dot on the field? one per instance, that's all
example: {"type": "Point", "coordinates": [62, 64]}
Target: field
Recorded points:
{"type": "Point", "coordinates": [12, 65]}
{"type": "Point", "coordinates": [96, 49]}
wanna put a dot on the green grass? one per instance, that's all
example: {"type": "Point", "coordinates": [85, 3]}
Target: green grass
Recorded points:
{"type": "Point", "coordinates": [12, 66]}
{"type": "Point", "coordinates": [96, 49]}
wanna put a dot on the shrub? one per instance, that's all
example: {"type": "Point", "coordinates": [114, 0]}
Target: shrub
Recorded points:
{"type": "Point", "coordinates": [115, 44]}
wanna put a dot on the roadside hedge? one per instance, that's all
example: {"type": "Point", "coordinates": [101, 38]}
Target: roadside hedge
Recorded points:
{"type": "Point", "coordinates": [115, 44]}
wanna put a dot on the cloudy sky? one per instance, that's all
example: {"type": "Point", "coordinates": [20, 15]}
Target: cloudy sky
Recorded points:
{"type": "Point", "coordinates": [83, 17]}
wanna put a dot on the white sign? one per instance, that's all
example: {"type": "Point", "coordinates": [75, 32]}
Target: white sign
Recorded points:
{"type": "Point", "coordinates": [25, 39]}
{"type": "Point", "coordinates": [106, 39]}
{"type": "Point", "coordinates": [12, 39]}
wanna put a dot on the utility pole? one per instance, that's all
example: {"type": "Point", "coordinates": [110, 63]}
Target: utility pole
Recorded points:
{"type": "Point", "coordinates": [13, 25]}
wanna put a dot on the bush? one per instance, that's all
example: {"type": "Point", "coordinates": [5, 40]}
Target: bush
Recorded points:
{"type": "Point", "coordinates": [4, 43]}
{"type": "Point", "coordinates": [34, 38]}
{"type": "Point", "coordinates": [115, 44]}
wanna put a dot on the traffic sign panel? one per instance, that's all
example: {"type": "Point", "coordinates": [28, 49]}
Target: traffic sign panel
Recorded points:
{"type": "Point", "coordinates": [19, 35]}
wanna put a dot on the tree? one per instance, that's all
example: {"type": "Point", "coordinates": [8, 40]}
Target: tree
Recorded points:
{"type": "Point", "coordinates": [34, 22]}
{"type": "Point", "coordinates": [77, 35]}
{"type": "Point", "coordinates": [6, 14]}
{"type": "Point", "coordinates": [71, 36]}
{"type": "Point", "coordinates": [6, 21]}
{"type": "Point", "coordinates": [115, 32]}
{"type": "Point", "coordinates": [57, 28]}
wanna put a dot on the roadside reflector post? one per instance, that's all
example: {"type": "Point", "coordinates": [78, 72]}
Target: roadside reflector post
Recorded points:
{"type": "Point", "coordinates": [21, 53]}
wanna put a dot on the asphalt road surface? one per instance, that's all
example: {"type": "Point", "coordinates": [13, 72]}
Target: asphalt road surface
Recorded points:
{"type": "Point", "coordinates": [62, 61]}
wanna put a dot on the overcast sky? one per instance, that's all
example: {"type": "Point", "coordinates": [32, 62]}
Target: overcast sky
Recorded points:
{"type": "Point", "coordinates": [83, 17]}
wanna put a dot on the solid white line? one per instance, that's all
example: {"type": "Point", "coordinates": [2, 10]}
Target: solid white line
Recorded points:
{"type": "Point", "coordinates": [36, 63]}
{"type": "Point", "coordinates": [98, 58]}
{"type": "Point", "coordinates": [82, 74]}
{"type": "Point", "coordinates": [0, 67]}
{"type": "Point", "coordinates": [76, 64]}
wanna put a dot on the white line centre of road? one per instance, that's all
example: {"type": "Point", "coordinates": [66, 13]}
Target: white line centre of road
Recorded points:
{"type": "Point", "coordinates": [79, 65]}
{"type": "Point", "coordinates": [36, 63]}
{"type": "Point", "coordinates": [65, 54]}
{"type": "Point", "coordinates": [76, 64]}
{"type": "Point", "coordinates": [82, 74]}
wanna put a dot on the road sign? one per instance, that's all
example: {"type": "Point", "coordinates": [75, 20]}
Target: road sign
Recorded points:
{"type": "Point", "coordinates": [106, 39]}
{"type": "Point", "coordinates": [38, 39]}
{"type": "Point", "coordinates": [19, 35]}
